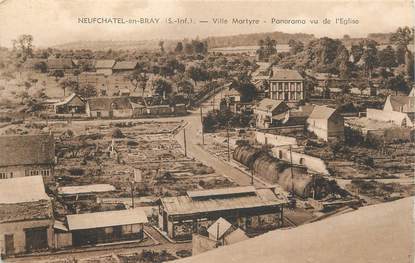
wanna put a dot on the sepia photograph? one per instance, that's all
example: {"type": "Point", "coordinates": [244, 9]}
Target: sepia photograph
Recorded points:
{"type": "Point", "coordinates": [198, 131]}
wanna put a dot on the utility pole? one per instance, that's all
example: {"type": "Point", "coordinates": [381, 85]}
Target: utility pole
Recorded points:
{"type": "Point", "coordinates": [227, 134]}
{"type": "Point", "coordinates": [201, 121]}
{"type": "Point", "coordinates": [291, 168]}
{"type": "Point", "coordinates": [132, 193]}
{"type": "Point", "coordinates": [185, 144]}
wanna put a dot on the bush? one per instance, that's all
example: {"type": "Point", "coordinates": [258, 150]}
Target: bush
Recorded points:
{"type": "Point", "coordinates": [117, 133]}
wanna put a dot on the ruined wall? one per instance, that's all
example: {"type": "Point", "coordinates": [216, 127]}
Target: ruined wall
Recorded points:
{"type": "Point", "coordinates": [275, 140]}
{"type": "Point", "coordinates": [389, 116]}
{"type": "Point", "coordinates": [312, 163]}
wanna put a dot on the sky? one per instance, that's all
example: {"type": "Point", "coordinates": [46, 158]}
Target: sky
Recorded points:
{"type": "Point", "coordinates": [53, 22]}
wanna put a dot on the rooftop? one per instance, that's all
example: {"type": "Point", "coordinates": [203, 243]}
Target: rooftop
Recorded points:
{"type": "Point", "coordinates": [285, 74]}
{"type": "Point", "coordinates": [269, 104]}
{"type": "Point", "coordinates": [22, 189]}
{"type": "Point", "coordinates": [27, 149]}
{"type": "Point", "coordinates": [180, 205]}
{"type": "Point", "coordinates": [402, 103]}
{"type": "Point", "coordinates": [104, 63]}
{"type": "Point", "coordinates": [85, 189]}
{"type": "Point", "coordinates": [321, 112]}
{"type": "Point", "coordinates": [60, 63]}
{"type": "Point", "coordinates": [106, 219]}
{"type": "Point", "coordinates": [220, 226]}
{"type": "Point", "coordinates": [221, 192]}
{"type": "Point", "coordinates": [126, 65]}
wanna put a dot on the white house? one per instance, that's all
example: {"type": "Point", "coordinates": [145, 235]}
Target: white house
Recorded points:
{"type": "Point", "coordinates": [326, 123]}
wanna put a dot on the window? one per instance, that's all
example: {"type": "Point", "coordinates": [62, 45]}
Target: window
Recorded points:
{"type": "Point", "coordinates": [3, 175]}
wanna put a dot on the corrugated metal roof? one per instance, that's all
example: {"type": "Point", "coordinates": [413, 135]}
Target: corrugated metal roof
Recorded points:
{"type": "Point", "coordinates": [106, 219]}
{"type": "Point", "coordinates": [83, 189]}
{"type": "Point", "coordinates": [221, 191]}
{"type": "Point", "coordinates": [180, 205]}
{"type": "Point", "coordinates": [22, 190]}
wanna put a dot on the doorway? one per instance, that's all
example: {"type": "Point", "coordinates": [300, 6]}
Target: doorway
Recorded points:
{"type": "Point", "coordinates": [9, 242]}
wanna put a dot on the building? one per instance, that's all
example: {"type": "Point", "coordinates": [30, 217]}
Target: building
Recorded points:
{"type": "Point", "coordinates": [72, 194]}
{"type": "Point", "coordinates": [399, 110]}
{"type": "Point", "coordinates": [245, 207]}
{"type": "Point", "coordinates": [34, 65]}
{"type": "Point", "coordinates": [65, 64]}
{"type": "Point", "coordinates": [106, 85]}
{"type": "Point", "coordinates": [326, 123]}
{"type": "Point", "coordinates": [220, 233]}
{"type": "Point", "coordinates": [101, 227]}
{"type": "Point", "coordinates": [125, 66]}
{"type": "Point", "coordinates": [72, 104]}
{"type": "Point", "coordinates": [270, 113]}
{"type": "Point", "coordinates": [287, 85]}
{"type": "Point", "coordinates": [27, 155]}
{"type": "Point", "coordinates": [26, 217]}
{"type": "Point", "coordinates": [104, 66]}
{"type": "Point", "coordinates": [109, 107]}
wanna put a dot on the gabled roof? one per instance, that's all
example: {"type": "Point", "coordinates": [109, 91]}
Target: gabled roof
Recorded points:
{"type": "Point", "coordinates": [22, 190]}
{"type": "Point", "coordinates": [109, 103]}
{"type": "Point", "coordinates": [269, 104]}
{"type": "Point", "coordinates": [221, 226]}
{"type": "Point", "coordinates": [321, 112]}
{"type": "Point", "coordinates": [106, 219]}
{"type": "Point", "coordinates": [125, 65]}
{"type": "Point", "coordinates": [60, 63]}
{"type": "Point", "coordinates": [402, 103]}
{"type": "Point", "coordinates": [221, 191]}
{"type": "Point", "coordinates": [412, 92]}
{"type": "Point", "coordinates": [27, 149]}
{"type": "Point", "coordinates": [285, 74]}
{"type": "Point", "coordinates": [104, 64]}
{"type": "Point", "coordinates": [69, 99]}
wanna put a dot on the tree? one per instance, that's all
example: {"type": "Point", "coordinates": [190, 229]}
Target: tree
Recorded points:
{"type": "Point", "coordinates": [162, 87]}
{"type": "Point", "coordinates": [295, 46]}
{"type": "Point", "coordinates": [397, 84]}
{"type": "Point", "coordinates": [179, 47]}
{"type": "Point", "coordinates": [267, 48]}
{"type": "Point", "coordinates": [24, 46]}
{"type": "Point", "coordinates": [186, 87]}
{"type": "Point", "coordinates": [196, 73]}
{"type": "Point", "coordinates": [139, 80]}
{"type": "Point", "coordinates": [41, 66]}
{"type": "Point", "coordinates": [370, 57]}
{"type": "Point", "coordinates": [65, 84]}
{"type": "Point", "coordinates": [387, 57]}
{"type": "Point", "coordinates": [357, 51]}
{"type": "Point", "coordinates": [161, 45]}
{"type": "Point", "coordinates": [409, 65]}
{"type": "Point", "coordinates": [58, 74]}
{"type": "Point", "coordinates": [86, 91]}
{"type": "Point", "coordinates": [402, 37]}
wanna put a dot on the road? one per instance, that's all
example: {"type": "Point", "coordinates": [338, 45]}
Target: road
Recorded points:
{"type": "Point", "coordinates": [195, 150]}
